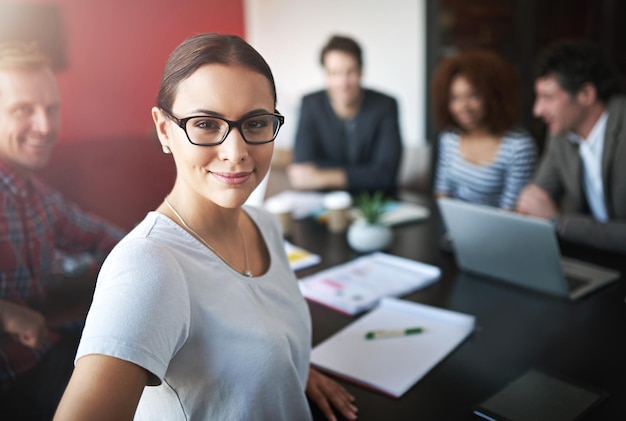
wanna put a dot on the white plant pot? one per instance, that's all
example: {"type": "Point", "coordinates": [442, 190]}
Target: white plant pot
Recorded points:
{"type": "Point", "coordinates": [365, 238]}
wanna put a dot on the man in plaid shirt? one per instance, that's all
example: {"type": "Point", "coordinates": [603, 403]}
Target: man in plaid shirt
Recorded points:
{"type": "Point", "coordinates": [39, 234]}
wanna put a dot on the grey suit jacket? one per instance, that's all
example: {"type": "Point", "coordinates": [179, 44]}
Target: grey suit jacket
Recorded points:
{"type": "Point", "coordinates": [561, 175]}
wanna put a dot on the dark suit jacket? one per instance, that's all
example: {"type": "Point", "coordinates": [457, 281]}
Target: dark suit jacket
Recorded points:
{"type": "Point", "coordinates": [372, 158]}
{"type": "Point", "coordinates": [561, 175]}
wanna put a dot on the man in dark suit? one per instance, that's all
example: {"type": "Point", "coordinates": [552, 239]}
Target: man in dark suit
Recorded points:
{"type": "Point", "coordinates": [348, 137]}
{"type": "Point", "coordinates": [581, 181]}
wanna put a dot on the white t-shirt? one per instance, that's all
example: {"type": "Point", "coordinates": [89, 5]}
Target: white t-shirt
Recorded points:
{"type": "Point", "coordinates": [219, 345]}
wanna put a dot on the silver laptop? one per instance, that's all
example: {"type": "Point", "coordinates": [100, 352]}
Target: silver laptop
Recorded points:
{"type": "Point", "coordinates": [518, 249]}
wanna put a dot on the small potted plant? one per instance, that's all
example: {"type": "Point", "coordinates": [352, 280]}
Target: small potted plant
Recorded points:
{"type": "Point", "coordinates": [367, 233]}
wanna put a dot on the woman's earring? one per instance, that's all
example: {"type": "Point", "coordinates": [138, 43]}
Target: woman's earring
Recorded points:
{"type": "Point", "coordinates": [166, 149]}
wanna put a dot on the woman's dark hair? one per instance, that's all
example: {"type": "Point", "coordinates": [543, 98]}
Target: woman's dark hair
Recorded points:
{"type": "Point", "coordinates": [344, 44]}
{"type": "Point", "coordinates": [575, 63]}
{"type": "Point", "coordinates": [493, 78]}
{"type": "Point", "coordinates": [202, 49]}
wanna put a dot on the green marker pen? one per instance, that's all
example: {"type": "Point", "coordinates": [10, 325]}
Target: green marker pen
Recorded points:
{"type": "Point", "coordinates": [378, 334]}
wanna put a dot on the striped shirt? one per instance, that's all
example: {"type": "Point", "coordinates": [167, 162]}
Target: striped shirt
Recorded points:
{"type": "Point", "coordinates": [496, 184]}
{"type": "Point", "coordinates": [36, 227]}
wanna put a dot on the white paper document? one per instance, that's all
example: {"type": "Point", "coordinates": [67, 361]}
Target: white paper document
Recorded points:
{"type": "Point", "coordinates": [358, 285]}
{"type": "Point", "coordinates": [304, 204]}
{"type": "Point", "coordinates": [391, 365]}
{"type": "Point", "coordinates": [300, 258]}
{"type": "Point", "coordinates": [398, 213]}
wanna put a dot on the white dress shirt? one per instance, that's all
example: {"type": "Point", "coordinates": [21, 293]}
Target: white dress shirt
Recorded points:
{"type": "Point", "coordinates": [590, 151]}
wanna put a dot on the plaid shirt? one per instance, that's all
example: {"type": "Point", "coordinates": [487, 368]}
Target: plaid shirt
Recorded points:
{"type": "Point", "coordinates": [36, 227]}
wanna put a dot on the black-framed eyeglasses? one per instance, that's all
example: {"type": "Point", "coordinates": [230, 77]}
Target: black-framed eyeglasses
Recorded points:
{"type": "Point", "coordinates": [205, 130]}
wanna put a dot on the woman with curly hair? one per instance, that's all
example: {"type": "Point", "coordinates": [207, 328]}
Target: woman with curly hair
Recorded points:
{"type": "Point", "coordinates": [483, 158]}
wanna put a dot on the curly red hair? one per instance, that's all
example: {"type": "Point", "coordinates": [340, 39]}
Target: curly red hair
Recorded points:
{"type": "Point", "coordinates": [492, 77]}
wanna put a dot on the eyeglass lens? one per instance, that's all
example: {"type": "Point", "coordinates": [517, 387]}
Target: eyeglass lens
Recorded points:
{"type": "Point", "coordinates": [210, 130]}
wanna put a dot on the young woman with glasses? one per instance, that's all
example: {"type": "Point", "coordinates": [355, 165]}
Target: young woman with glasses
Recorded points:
{"type": "Point", "coordinates": [196, 313]}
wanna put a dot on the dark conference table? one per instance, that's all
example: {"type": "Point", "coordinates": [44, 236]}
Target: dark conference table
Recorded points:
{"type": "Point", "coordinates": [516, 330]}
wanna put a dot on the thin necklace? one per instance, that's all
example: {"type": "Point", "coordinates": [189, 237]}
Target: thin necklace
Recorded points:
{"type": "Point", "coordinates": [247, 272]}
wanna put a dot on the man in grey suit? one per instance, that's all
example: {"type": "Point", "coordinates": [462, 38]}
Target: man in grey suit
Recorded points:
{"type": "Point", "coordinates": [581, 181]}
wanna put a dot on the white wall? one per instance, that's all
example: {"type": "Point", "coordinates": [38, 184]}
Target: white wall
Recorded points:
{"type": "Point", "coordinates": [291, 33]}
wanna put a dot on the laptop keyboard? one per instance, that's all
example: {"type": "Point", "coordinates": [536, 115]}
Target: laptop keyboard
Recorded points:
{"type": "Point", "coordinates": [575, 283]}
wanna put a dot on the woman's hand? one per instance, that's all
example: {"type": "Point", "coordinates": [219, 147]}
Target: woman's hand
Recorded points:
{"type": "Point", "coordinates": [329, 394]}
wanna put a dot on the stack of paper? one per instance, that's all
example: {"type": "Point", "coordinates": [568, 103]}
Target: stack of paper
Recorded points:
{"type": "Point", "coordinates": [398, 213]}
{"type": "Point", "coordinates": [304, 204]}
{"type": "Point", "coordinates": [300, 258]}
{"type": "Point", "coordinates": [360, 284]}
{"type": "Point", "coordinates": [391, 365]}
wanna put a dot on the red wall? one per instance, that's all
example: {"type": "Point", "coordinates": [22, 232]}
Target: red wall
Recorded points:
{"type": "Point", "coordinates": [116, 50]}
